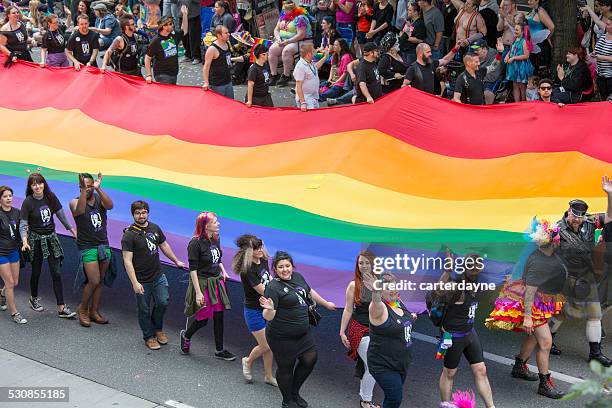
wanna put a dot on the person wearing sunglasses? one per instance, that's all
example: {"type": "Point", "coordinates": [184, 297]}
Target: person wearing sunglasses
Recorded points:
{"type": "Point", "coordinates": [577, 232]}
{"type": "Point", "coordinates": [545, 87]}
{"type": "Point", "coordinates": [163, 50]}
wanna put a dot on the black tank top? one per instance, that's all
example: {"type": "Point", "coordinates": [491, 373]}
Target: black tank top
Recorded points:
{"type": "Point", "coordinates": [390, 343]}
{"type": "Point", "coordinates": [128, 56]}
{"type": "Point", "coordinates": [460, 318]}
{"type": "Point", "coordinates": [91, 226]}
{"type": "Point", "coordinates": [17, 40]}
{"type": "Point", "coordinates": [220, 68]}
{"type": "Point", "coordinates": [361, 312]}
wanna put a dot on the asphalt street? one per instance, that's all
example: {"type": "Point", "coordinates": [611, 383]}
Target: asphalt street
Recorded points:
{"type": "Point", "coordinates": [115, 356]}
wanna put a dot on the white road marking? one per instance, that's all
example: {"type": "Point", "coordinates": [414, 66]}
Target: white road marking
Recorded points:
{"type": "Point", "coordinates": [506, 361]}
{"type": "Point", "coordinates": [176, 404]}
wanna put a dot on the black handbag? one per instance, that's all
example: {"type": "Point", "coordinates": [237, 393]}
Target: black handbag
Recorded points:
{"type": "Point", "coordinates": [314, 317]}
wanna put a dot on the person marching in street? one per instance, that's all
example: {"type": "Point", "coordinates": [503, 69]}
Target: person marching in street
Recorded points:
{"type": "Point", "coordinates": [577, 231]}
{"type": "Point", "coordinates": [217, 68]}
{"type": "Point", "coordinates": [124, 50]}
{"type": "Point", "coordinates": [163, 50]}
{"type": "Point", "coordinates": [259, 79]}
{"type": "Point", "coordinates": [9, 253]}
{"type": "Point", "coordinates": [38, 236]}
{"type": "Point", "coordinates": [285, 306]}
{"type": "Point", "coordinates": [206, 295]}
{"type": "Point", "coordinates": [390, 348]}
{"type": "Point", "coordinates": [458, 329]}
{"type": "Point", "coordinates": [251, 264]}
{"type": "Point", "coordinates": [89, 212]}
{"type": "Point", "coordinates": [140, 247]}
{"type": "Point", "coordinates": [14, 37]}
{"type": "Point", "coordinates": [83, 46]}
{"type": "Point", "coordinates": [355, 317]}
{"type": "Point", "coordinates": [528, 303]}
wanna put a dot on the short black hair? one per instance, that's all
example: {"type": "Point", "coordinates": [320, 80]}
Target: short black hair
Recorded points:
{"type": "Point", "coordinates": [259, 49]}
{"type": "Point", "coordinates": [139, 205]}
{"type": "Point", "coordinates": [281, 256]}
{"type": "Point", "coordinates": [545, 81]}
{"type": "Point", "coordinates": [86, 176]}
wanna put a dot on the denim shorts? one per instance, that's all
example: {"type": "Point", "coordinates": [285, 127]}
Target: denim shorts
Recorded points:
{"type": "Point", "coordinates": [13, 257]}
{"type": "Point", "coordinates": [254, 319]}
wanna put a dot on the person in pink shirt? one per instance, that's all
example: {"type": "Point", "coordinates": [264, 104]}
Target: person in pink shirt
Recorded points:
{"type": "Point", "coordinates": [337, 76]}
{"type": "Point", "coordinates": [345, 15]}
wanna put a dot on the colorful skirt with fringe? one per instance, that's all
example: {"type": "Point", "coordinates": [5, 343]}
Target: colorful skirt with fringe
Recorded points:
{"type": "Point", "coordinates": [509, 310]}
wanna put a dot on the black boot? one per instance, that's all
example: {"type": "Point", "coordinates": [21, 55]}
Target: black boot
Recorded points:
{"type": "Point", "coordinates": [554, 350]}
{"type": "Point", "coordinates": [274, 79]}
{"type": "Point", "coordinates": [596, 354]}
{"type": "Point", "coordinates": [547, 388]}
{"type": "Point", "coordinates": [283, 80]}
{"type": "Point", "coordinates": [520, 370]}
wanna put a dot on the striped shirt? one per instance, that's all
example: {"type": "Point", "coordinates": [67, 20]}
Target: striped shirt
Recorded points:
{"type": "Point", "coordinates": [604, 47]}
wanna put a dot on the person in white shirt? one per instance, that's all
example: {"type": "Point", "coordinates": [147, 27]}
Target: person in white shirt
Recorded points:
{"type": "Point", "coordinates": [306, 75]}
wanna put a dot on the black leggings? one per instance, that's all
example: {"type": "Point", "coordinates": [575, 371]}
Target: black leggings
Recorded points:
{"type": "Point", "coordinates": [291, 377]}
{"type": "Point", "coordinates": [217, 328]}
{"type": "Point", "coordinates": [469, 346]}
{"type": "Point", "coordinates": [55, 265]}
{"type": "Point", "coordinates": [605, 87]}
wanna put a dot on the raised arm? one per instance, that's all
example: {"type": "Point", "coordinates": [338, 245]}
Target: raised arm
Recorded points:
{"type": "Point", "coordinates": [607, 187]}
{"type": "Point", "coordinates": [378, 313]}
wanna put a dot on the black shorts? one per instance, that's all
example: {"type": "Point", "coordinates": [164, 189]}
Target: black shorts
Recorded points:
{"type": "Point", "coordinates": [469, 346]}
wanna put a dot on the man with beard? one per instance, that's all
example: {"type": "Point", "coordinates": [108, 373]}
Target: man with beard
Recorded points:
{"type": "Point", "coordinates": [83, 46]}
{"type": "Point", "coordinates": [458, 329]}
{"type": "Point", "coordinates": [89, 212]}
{"type": "Point", "coordinates": [140, 245]}
{"type": "Point", "coordinates": [421, 74]}
{"type": "Point", "coordinates": [577, 231]}
{"type": "Point", "coordinates": [124, 50]}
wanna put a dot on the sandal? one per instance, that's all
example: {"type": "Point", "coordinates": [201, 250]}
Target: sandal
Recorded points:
{"type": "Point", "coordinates": [367, 404]}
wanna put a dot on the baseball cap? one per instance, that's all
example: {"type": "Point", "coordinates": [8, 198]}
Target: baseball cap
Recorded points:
{"type": "Point", "coordinates": [480, 43]}
{"type": "Point", "coordinates": [578, 208]}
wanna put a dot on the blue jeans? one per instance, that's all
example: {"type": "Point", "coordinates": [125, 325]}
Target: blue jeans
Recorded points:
{"type": "Point", "coordinates": [436, 54]}
{"type": "Point", "coordinates": [392, 384]}
{"type": "Point", "coordinates": [225, 90]}
{"type": "Point", "coordinates": [152, 306]}
{"type": "Point", "coordinates": [333, 92]}
{"type": "Point", "coordinates": [408, 57]}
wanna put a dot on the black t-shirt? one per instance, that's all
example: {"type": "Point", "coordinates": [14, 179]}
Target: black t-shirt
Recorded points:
{"type": "Point", "coordinates": [257, 274]}
{"type": "Point", "coordinates": [39, 214]}
{"type": "Point", "coordinates": [91, 226]}
{"type": "Point", "coordinates": [260, 75]}
{"type": "Point", "coordinates": [164, 52]}
{"type": "Point", "coordinates": [9, 234]}
{"type": "Point", "coordinates": [127, 57]}
{"type": "Point", "coordinates": [83, 46]}
{"type": "Point", "coordinates": [367, 72]}
{"type": "Point", "coordinates": [547, 273]}
{"type": "Point", "coordinates": [424, 78]}
{"type": "Point", "coordinates": [449, 12]}
{"type": "Point", "coordinates": [205, 257]}
{"type": "Point", "coordinates": [418, 30]}
{"type": "Point", "coordinates": [607, 237]}
{"type": "Point", "coordinates": [460, 317]}
{"type": "Point", "coordinates": [382, 16]}
{"type": "Point", "coordinates": [54, 41]}
{"type": "Point", "coordinates": [144, 244]}
{"type": "Point", "coordinates": [471, 88]}
{"type": "Point", "coordinates": [390, 343]}
{"type": "Point", "coordinates": [289, 297]}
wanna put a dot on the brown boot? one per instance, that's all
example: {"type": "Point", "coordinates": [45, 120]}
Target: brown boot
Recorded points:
{"type": "Point", "coordinates": [97, 317]}
{"type": "Point", "coordinates": [161, 337]}
{"type": "Point", "coordinates": [84, 317]}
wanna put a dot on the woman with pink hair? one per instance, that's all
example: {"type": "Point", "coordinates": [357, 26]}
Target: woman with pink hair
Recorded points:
{"type": "Point", "coordinates": [206, 295]}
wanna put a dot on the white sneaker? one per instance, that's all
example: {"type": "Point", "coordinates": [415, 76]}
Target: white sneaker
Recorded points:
{"type": "Point", "coordinates": [17, 318]}
{"type": "Point", "coordinates": [246, 370]}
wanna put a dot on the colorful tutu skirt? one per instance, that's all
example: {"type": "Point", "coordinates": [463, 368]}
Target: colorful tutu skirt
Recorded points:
{"type": "Point", "coordinates": [509, 309]}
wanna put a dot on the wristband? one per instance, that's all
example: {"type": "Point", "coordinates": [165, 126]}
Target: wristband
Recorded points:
{"type": "Point", "coordinates": [498, 56]}
{"type": "Point", "coordinates": [149, 76]}
{"type": "Point", "coordinates": [455, 50]}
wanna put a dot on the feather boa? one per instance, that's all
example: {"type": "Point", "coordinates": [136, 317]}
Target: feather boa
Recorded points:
{"type": "Point", "coordinates": [296, 12]}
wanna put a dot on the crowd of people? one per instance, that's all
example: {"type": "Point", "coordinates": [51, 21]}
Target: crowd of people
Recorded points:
{"type": "Point", "coordinates": [473, 51]}
{"type": "Point", "coordinates": [561, 279]}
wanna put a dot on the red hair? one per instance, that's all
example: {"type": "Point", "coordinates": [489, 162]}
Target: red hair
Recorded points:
{"type": "Point", "coordinates": [202, 221]}
{"type": "Point", "coordinates": [358, 281]}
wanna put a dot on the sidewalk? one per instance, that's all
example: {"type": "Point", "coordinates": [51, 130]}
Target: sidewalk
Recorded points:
{"type": "Point", "coordinates": [19, 371]}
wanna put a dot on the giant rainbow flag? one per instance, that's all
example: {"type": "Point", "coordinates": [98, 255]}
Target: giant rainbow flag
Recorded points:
{"type": "Point", "coordinates": [411, 171]}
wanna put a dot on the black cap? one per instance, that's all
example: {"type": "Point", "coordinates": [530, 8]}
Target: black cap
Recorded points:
{"type": "Point", "coordinates": [369, 47]}
{"type": "Point", "coordinates": [578, 208]}
{"type": "Point", "coordinates": [480, 43]}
